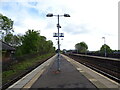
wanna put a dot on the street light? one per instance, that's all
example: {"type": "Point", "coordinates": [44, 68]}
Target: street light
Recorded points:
{"type": "Point", "coordinates": [49, 15]}
{"type": "Point", "coordinates": [104, 46]}
{"type": "Point", "coordinates": [58, 26]}
{"type": "Point", "coordinates": [66, 15]}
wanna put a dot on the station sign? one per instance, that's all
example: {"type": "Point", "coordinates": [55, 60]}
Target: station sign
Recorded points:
{"type": "Point", "coordinates": [56, 34]}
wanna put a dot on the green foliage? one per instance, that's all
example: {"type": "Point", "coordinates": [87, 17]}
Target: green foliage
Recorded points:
{"type": "Point", "coordinates": [32, 43]}
{"type": "Point", "coordinates": [17, 68]}
{"type": "Point", "coordinates": [81, 47]}
{"type": "Point", "coordinates": [108, 49]}
{"type": "Point", "coordinates": [13, 40]}
{"type": "Point", "coordinates": [7, 24]}
{"type": "Point", "coordinates": [9, 38]}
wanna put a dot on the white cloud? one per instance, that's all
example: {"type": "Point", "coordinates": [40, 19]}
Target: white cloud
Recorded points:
{"type": "Point", "coordinates": [90, 20]}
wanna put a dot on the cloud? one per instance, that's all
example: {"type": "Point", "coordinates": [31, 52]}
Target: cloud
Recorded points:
{"type": "Point", "coordinates": [76, 29]}
{"type": "Point", "coordinates": [33, 3]}
{"type": "Point", "coordinates": [90, 19]}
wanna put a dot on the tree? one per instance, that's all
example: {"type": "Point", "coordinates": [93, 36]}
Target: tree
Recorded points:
{"type": "Point", "coordinates": [9, 38]}
{"type": "Point", "coordinates": [49, 45]}
{"type": "Point", "coordinates": [7, 24]}
{"type": "Point", "coordinates": [30, 42]}
{"type": "Point", "coordinates": [81, 47]}
{"type": "Point", "coordinates": [13, 40]}
{"type": "Point", "coordinates": [33, 43]}
{"type": "Point", "coordinates": [42, 44]}
{"type": "Point", "coordinates": [108, 49]}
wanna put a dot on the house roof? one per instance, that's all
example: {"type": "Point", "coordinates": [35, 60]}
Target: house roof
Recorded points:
{"type": "Point", "coordinates": [6, 46]}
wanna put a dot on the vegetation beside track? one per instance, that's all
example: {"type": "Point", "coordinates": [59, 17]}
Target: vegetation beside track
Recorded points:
{"type": "Point", "coordinates": [21, 67]}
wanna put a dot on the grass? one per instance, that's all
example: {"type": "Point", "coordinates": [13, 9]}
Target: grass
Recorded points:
{"type": "Point", "coordinates": [17, 68]}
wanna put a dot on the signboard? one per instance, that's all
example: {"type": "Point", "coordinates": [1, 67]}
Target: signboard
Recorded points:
{"type": "Point", "coordinates": [56, 34]}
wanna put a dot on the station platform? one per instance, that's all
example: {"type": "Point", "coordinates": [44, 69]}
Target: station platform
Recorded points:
{"type": "Point", "coordinates": [72, 75]}
{"type": "Point", "coordinates": [68, 77]}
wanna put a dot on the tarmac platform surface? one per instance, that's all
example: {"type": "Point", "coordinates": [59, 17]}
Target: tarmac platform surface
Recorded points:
{"type": "Point", "coordinates": [68, 77]}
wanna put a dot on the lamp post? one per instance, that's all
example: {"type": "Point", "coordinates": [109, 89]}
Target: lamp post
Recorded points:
{"type": "Point", "coordinates": [104, 46]}
{"type": "Point", "coordinates": [58, 26]}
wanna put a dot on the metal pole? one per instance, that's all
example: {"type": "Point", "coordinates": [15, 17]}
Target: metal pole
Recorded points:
{"type": "Point", "coordinates": [58, 26]}
{"type": "Point", "coordinates": [105, 46]}
{"type": "Point", "coordinates": [58, 62]}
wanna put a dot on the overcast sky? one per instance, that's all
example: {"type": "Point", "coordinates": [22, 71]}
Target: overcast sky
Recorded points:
{"type": "Point", "coordinates": [90, 20]}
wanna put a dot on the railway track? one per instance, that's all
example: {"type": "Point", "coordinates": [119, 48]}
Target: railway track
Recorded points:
{"type": "Point", "coordinates": [109, 68]}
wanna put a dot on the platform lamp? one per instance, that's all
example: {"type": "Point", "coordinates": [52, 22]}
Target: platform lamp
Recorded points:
{"type": "Point", "coordinates": [58, 26]}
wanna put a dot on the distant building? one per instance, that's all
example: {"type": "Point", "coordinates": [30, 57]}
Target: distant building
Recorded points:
{"type": "Point", "coordinates": [7, 51]}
